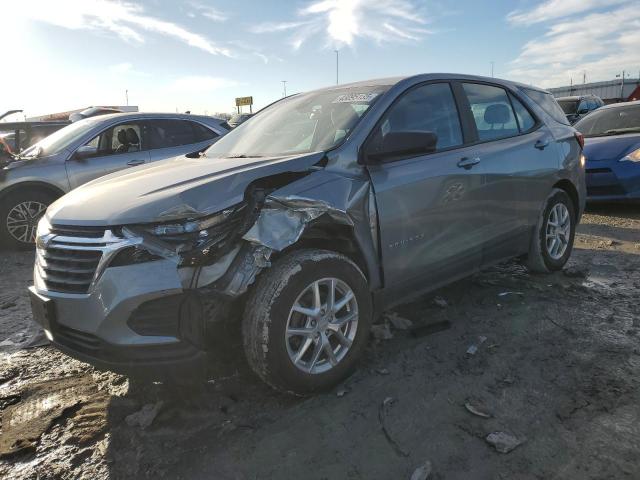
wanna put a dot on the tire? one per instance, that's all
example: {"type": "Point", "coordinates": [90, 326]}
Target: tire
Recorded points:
{"type": "Point", "coordinates": [542, 257]}
{"type": "Point", "coordinates": [269, 314]}
{"type": "Point", "coordinates": [28, 204]}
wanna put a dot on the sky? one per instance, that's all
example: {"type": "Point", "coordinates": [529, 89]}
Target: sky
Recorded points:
{"type": "Point", "coordinates": [199, 55]}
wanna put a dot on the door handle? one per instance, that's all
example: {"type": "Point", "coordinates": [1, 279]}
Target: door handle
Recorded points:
{"type": "Point", "coordinates": [541, 144]}
{"type": "Point", "coordinates": [467, 162]}
{"type": "Point", "coordinates": [133, 163]}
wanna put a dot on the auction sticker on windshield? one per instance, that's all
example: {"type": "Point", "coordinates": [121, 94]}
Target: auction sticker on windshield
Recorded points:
{"type": "Point", "coordinates": [355, 97]}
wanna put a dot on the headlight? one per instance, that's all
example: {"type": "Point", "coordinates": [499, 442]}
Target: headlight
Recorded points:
{"type": "Point", "coordinates": [44, 228]}
{"type": "Point", "coordinates": [632, 157]}
{"type": "Point", "coordinates": [192, 226]}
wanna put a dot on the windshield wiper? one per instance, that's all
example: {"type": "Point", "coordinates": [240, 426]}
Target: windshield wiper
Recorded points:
{"type": "Point", "coordinates": [615, 131]}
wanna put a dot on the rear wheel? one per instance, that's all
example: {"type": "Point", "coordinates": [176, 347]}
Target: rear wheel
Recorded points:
{"type": "Point", "coordinates": [20, 213]}
{"type": "Point", "coordinates": [552, 241]}
{"type": "Point", "coordinates": [307, 321]}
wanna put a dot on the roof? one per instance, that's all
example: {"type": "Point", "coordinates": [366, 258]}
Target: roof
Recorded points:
{"type": "Point", "coordinates": [621, 105]}
{"type": "Point", "coordinates": [390, 81]}
{"type": "Point", "coordinates": [574, 97]}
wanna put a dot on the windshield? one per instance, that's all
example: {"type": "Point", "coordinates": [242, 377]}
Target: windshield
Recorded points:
{"type": "Point", "coordinates": [568, 106]}
{"type": "Point", "coordinates": [305, 123]}
{"type": "Point", "coordinates": [610, 121]}
{"type": "Point", "coordinates": [60, 139]}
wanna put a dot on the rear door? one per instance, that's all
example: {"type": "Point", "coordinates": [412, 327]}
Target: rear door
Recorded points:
{"type": "Point", "coordinates": [116, 148]}
{"type": "Point", "coordinates": [429, 206]}
{"type": "Point", "coordinates": [515, 151]}
{"type": "Point", "coordinates": [172, 137]}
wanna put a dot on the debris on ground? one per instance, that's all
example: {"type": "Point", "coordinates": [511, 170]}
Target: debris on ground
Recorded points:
{"type": "Point", "coordinates": [478, 411]}
{"type": "Point", "coordinates": [440, 302]}
{"type": "Point", "coordinates": [382, 413]}
{"type": "Point", "coordinates": [422, 472]}
{"type": "Point", "coordinates": [505, 294]}
{"type": "Point", "coordinates": [342, 392]}
{"type": "Point", "coordinates": [381, 332]}
{"type": "Point", "coordinates": [398, 322]}
{"type": "Point", "coordinates": [473, 348]}
{"type": "Point", "coordinates": [382, 371]}
{"type": "Point", "coordinates": [503, 442]}
{"type": "Point", "coordinates": [144, 417]}
{"type": "Point", "coordinates": [576, 272]}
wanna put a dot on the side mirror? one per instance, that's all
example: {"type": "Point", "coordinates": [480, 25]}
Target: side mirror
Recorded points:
{"type": "Point", "coordinates": [395, 145]}
{"type": "Point", "coordinates": [85, 151]}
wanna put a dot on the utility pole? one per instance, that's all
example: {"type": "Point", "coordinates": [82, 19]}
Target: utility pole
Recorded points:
{"type": "Point", "coordinates": [126, 96]}
{"type": "Point", "coordinates": [621, 86]}
{"type": "Point", "coordinates": [284, 86]}
{"type": "Point", "coordinates": [337, 64]}
{"type": "Point", "coordinates": [492, 64]}
{"type": "Point", "coordinates": [584, 77]}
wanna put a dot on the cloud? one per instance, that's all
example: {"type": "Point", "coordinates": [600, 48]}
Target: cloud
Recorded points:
{"type": "Point", "coordinates": [600, 44]}
{"type": "Point", "coordinates": [554, 9]}
{"type": "Point", "coordinates": [209, 12]}
{"type": "Point", "coordinates": [126, 20]}
{"type": "Point", "coordinates": [201, 83]}
{"type": "Point", "coordinates": [344, 21]}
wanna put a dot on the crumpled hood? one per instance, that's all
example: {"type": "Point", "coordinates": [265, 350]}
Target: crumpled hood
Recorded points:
{"type": "Point", "coordinates": [610, 148]}
{"type": "Point", "coordinates": [174, 188]}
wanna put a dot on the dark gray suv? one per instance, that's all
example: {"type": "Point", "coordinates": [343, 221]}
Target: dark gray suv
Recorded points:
{"type": "Point", "coordinates": [88, 149]}
{"type": "Point", "coordinates": [310, 218]}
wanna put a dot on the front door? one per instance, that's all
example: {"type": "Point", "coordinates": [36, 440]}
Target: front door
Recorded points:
{"type": "Point", "coordinates": [116, 148]}
{"type": "Point", "coordinates": [430, 205]}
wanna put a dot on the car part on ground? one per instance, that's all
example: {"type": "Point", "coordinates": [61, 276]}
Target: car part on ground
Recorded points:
{"type": "Point", "coordinates": [349, 192]}
{"type": "Point", "coordinates": [94, 147]}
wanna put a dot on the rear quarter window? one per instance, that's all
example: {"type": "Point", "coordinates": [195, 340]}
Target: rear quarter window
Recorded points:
{"type": "Point", "coordinates": [547, 103]}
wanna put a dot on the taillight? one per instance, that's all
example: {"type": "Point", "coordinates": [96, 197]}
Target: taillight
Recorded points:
{"type": "Point", "coordinates": [580, 139]}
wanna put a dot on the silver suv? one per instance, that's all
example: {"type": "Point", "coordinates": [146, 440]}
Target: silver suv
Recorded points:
{"type": "Point", "coordinates": [310, 218]}
{"type": "Point", "coordinates": [88, 149]}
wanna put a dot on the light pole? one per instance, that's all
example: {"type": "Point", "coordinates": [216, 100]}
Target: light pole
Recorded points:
{"type": "Point", "coordinates": [492, 63]}
{"type": "Point", "coordinates": [621, 86]}
{"type": "Point", "coordinates": [126, 96]}
{"type": "Point", "coordinates": [284, 86]}
{"type": "Point", "coordinates": [337, 64]}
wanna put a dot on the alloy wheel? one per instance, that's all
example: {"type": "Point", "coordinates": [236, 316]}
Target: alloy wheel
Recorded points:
{"type": "Point", "coordinates": [322, 325]}
{"type": "Point", "coordinates": [558, 232]}
{"type": "Point", "coordinates": [22, 220]}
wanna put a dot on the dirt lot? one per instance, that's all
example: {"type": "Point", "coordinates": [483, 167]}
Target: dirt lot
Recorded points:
{"type": "Point", "coordinates": [551, 361]}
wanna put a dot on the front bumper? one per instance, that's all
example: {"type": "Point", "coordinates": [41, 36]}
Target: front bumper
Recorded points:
{"type": "Point", "coordinates": [99, 327]}
{"type": "Point", "coordinates": [612, 181]}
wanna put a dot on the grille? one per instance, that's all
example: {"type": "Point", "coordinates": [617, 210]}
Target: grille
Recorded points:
{"type": "Point", "coordinates": [69, 260]}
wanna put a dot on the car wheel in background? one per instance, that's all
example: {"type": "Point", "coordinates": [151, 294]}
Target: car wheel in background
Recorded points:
{"type": "Point", "coordinates": [552, 241]}
{"type": "Point", "coordinates": [20, 213]}
{"type": "Point", "coordinates": [307, 321]}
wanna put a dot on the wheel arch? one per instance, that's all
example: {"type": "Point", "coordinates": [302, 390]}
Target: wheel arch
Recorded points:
{"type": "Point", "coordinates": [55, 191]}
{"type": "Point", "coordinates": [572, 191]}
{"type": "Point", "coordinates": [338, 238]}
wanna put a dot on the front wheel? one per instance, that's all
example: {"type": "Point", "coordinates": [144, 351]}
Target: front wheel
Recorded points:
{"type": "Point", "coordinates": [552, 240]}
{"type": "Point", "coordinates": [20, 213]}
{"type": "Point", "coordinates": [307, 321]}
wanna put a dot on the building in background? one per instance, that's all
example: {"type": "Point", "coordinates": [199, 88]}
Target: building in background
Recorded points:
{"type": "Point", "coordinates": [65, 115]}
{"type": "Point", "coordinates": [611, 91]}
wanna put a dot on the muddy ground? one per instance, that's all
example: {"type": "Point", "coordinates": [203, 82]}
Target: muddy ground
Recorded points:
{"type": "Point", "coordinates": [551, 361]}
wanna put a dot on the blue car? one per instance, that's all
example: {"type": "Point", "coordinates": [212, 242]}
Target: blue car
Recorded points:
{"type": "Point", "coordinates": [612, 150]}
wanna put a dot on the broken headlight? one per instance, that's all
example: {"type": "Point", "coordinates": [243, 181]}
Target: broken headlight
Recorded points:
{"type": "Point", "coordinates": [200, 233]}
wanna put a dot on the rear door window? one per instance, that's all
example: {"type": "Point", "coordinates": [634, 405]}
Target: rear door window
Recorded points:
{"type": "Point", "coordinates": [202, 133]}
{"type": "Point", "coordinates": [166, 133]}
{"type": "Point", "coordinates": [525, 120]}
{"type": "Point", "coordinates": [492, 111]}
{"type": "Point", "coordinates": [547, 103]}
